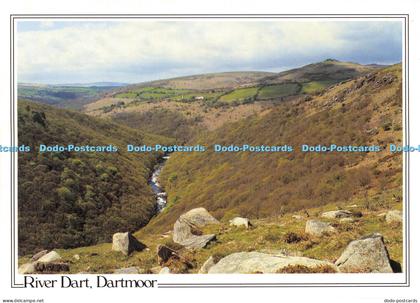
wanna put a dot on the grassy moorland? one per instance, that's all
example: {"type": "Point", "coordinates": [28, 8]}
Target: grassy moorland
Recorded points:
{"type": "Point", "coordinates": [365, 111]}
{"type": "Point", "coordinates": [272, 234]}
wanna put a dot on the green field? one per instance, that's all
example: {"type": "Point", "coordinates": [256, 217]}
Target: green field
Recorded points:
{"type": "Point", "coordinates": [240, 94]}
{"type": "Point", "coordinates": [279, 90]}
{"type": "Point", "coordinates": [316, 86]}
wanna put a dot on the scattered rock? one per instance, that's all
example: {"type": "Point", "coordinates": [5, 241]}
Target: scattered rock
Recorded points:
{"type": "Point", "coordinates": [393, 216]}
{"type": "Point", "coordinates": [52, 267]}
{"type": "Point", "coordinates": [337, 214]}
{"type": "Point", "coordinates": [27, 269]}
{"type": "Point", "coordinates": [128, 270]}
{"type": "Point", "coordinates": [238, 221]}
{"type": "Point", "coordinates": [257, 262]}
{"type": "Point", "coordinates": [186, 228]}
{"type": "Point", "coordinates": [76, 257]}
{"type": "Point", "coordinates": [207, 265]}
{"type": "Point", "coordinates": [297, 217]}
{"type": "Point", "coordinates": [368, 254]}
{"type": "Point", "coordinates": [164, 270]}
{"type": "Point", "coordinates": [126, 243]}
{"type": "Point", "coordinates": [318, 228]}
{"type": "Point", "coordinates": [52, 256]}
{"type": "Point", "coordinates": [39, 255]}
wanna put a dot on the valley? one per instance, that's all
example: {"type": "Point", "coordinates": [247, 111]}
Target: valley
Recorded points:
{"type": "Point", "coordinates": [329, 102]}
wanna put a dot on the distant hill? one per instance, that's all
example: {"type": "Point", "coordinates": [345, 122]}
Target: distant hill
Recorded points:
{"type": "Point", "coordinates": [72, 199]}
{"type": "Point", "coordinates": [95, 84]}
{"type": "Point", "coordinates": [330, 70]}
{"type": "Point", "coordinates": [64, 96]}
{"type": "Point", "coordinates": [206, 81]}
{"type": "Point", "coordinates": [208, 101]}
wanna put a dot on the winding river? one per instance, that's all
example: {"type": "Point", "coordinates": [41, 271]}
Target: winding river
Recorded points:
{"type": "Point", "coordinates": [161, 196]}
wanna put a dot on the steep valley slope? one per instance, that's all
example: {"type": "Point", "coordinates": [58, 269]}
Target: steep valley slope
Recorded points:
{"type": "Point", "coordinates": [72, 199]}
{"type": "Point", "coordinates": [364, 111]}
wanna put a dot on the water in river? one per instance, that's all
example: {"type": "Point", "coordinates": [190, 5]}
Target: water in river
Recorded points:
{"type": "Point", "coordinates": [161, 196]}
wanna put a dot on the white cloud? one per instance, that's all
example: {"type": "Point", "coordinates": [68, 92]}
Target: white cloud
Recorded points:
{"type": "Point", "coordinates": [142, 50]}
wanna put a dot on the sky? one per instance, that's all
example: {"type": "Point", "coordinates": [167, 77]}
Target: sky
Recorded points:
{"type": "Point", "coordinates": [134, 51]}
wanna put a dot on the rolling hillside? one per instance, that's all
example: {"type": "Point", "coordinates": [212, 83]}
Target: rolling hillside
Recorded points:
{"type": "Point", "coordinates": [73, 96]}
{"type": "Point", "coordinates": [72, 199]}
{"type": "Point", "coordinates": [208, 101]}
{"type": "Point", "coordinates": [206, 81]}
{"type": "Point", "coordinates": [95, 195]}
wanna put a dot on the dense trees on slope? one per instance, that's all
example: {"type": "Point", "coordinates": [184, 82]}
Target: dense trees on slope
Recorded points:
{"type": "Point", "coordinates": [71, 199]}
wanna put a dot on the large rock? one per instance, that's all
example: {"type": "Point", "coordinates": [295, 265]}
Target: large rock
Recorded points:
{"type": "Point", "coordinates": [337, 214]}
{"type": "Point", "coordinates": [318, 228]}
{"type": "Point", "coordinates": [126, 243]}
{"type": "Point", "coordinates": [187, 232]}
{"type": "Point", "coordinates": [52, 256]}
{"type": "Point", "coordinates": [198, 217]}
{"type": "Point", "coordinates": [238, 221]}
{"type": "Point", "coordinates": [182, 231]}
{"type": "Point", "coordinates": [393, 216]}
{"type": "Point", "coordinates": [368, 254]}
{"type": "Point", "coordinates": [207, 265]}
{"type": "Point", "coordinates": [27, 269]}
{"type": "Point", "coordinates": [257, 262]}
{"type": "Point", "coordinates": [39, 255]}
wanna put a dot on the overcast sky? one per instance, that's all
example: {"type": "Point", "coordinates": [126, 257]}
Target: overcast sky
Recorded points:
{"type": "Point", "coordinates": [136, 51]}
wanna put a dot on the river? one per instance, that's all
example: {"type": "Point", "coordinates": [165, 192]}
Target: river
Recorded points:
{"type": "Point", "coordinates": [161, 196]}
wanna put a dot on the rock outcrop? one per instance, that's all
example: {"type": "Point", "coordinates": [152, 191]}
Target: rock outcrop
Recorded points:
{"type": "Point", "coordinates": [198, 217]}
{"type": "Point", "coordinates": [393, 216]}
{"type": "Point", "coordinates": [238, 221]}
{"type": "Point", "coordinates": [126, 243]}
{"type": "Point", "coordinates": [187, 229]}
{"type": "Point", "coordinates": [318, 228]}
{"type": "Point", "coordinates": [257, 262]}
{"type": "Point", "coordinates": [48, 263]}
{"type": "Point", "coordinates": [365, 255]}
